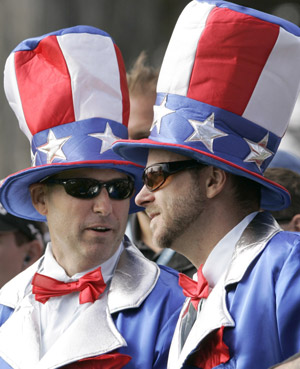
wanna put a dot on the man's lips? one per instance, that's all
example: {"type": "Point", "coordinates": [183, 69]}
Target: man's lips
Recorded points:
{"type": "Point", "coordinates": [99, 228]}
{"type": "Point", "coordinates": [152, 214]}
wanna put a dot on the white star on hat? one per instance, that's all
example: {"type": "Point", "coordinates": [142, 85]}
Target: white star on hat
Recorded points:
{"type": "Point", "coordinates": [53, 147]}
{"type": "Point", "coordinates": [205, 132]}
{"type": "Point", "coordinates": [107, 138]}
{"type": "Point", "coordinates": [258, 151]}
{"type": "Point", "coordinates": [160, 112]}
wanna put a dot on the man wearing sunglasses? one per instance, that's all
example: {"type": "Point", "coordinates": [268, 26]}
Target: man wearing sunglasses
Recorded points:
{"type": "Point", "coordinates": [93, 300]}
{"type": "Point", "coordinates": [222, 107]}
{"type": "Point", "coordinates": [142, 80]}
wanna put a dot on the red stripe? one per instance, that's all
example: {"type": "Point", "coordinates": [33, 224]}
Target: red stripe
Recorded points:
{"type": "Point", "coordinates": [123, 86]}
{"type": "Point", "coordinates": [231, 54]}
{"type": "Point", "coordinates": [44, 86]}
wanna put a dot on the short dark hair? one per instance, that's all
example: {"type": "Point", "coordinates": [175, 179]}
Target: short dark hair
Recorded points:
{"type": "Point", "coordinates": [21, 238]}
{"type": "Point", "coordinates": [247, 192]}
{"type": "Point", "coordinates": [291, 181]}
{"type": "Point", "coordinates": [25, 230]}
{"type": "Point", "coordinates": [39, 232]}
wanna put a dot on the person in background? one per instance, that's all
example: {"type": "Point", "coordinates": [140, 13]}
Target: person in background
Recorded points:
{"type": "Point", "coordinates": [22, 242]}
{"type": "Point", "coordinates": [284, 159]}
{"type": "Point", "coordinates": [288, 218]}
{"type": "Point", "coordinates": [142, 80]}
{"type": "Point", "coordinates": [93, 300]}
{"type": "Point", "coordinates": [225, 94]}
{"type": "Point", "coordinates": [285, 170]}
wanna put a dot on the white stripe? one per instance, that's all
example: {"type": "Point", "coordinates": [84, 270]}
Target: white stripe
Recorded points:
{"type": "Point", "coordinates": [95, 76]}
{"type": "Point", "coordinates": [13, 94]}
{"type": "Point", "coordinates": [179, 59]}
{"type": "Point", "coordinates": [275, 94]}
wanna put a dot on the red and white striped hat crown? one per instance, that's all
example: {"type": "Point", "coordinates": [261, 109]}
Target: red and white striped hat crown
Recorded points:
{"type": "Point", "coordinates": [226, 90]}
{"type": "Point", "coordinates": [69, 92]}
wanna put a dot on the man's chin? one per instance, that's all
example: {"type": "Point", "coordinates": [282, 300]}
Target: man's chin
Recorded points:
{"type": "Point", "coordinates": [162, 241]}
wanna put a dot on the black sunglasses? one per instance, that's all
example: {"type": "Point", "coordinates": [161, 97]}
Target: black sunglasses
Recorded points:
{"type": "Point", "coordinates": [155, 175]}
{"type": "Point", "coordinates": [88, 188]}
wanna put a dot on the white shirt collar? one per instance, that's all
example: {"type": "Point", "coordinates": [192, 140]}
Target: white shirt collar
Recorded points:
{"type": "Point", "coordinates": [52, 269]}
{"type": "Point", "coordinates": [219, 258]}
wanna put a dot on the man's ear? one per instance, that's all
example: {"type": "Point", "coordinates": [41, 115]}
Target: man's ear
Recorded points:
{"type": "Point", "coordinates": [38, 197]}
{"type": "Point", "coordinates": [215, 181]}
{"type": "Point", "coordinates": [295, 223]}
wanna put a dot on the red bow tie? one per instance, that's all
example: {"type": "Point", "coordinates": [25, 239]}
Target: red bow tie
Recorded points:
{"type": "Point", "coordinates": [196, 290]}
{"type": "Point", "coordinates": [106, 361]}
{"type": "Point", "coordinates": [212, 352]}
{"type": "Point", "coordinates": [90, 286]}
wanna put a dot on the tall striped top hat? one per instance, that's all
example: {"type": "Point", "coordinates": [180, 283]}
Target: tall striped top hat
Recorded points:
{"type": "Point", "coordinates": [226, 90]}
{"type": "Point", "coordinates": [69, 92]}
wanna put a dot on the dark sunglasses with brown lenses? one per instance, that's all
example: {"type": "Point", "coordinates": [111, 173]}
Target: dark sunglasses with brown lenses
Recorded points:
{"type": "Point", "coordinates": [155, 175]}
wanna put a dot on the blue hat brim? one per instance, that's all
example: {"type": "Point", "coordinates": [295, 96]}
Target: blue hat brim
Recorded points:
{"type": "Point", "coordinates": [15, 194]}
{"type": "Point", "coordinates": [273, 196]}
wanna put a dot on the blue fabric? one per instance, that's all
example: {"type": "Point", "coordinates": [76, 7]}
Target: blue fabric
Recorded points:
{"type": "Point", "coordinates": [265, 306]}
{"type": "Point", "coordinates": [32, 43]}
{"type": "Point", "coordinates": [229, 153]}
{"type": "Point", "coordinates": [19, 183]}
{"type": "Point", "coordinates": [83, 147]}
{"type": "Point", "coordinates": [5, 313]}
{"type": "Point", "coordinates": [148, 330]}
{"type": "Point", "coordinates": [3, 364]}
{"type": "Point", "coordinates": [158, 317]}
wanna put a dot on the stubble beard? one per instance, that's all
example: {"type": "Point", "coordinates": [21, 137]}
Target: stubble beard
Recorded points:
{"type": "Point", "coordinates": [180, 213]}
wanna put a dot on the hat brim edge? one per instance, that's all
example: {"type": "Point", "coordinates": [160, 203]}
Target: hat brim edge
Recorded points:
{"type": "Point", "coordinates": [274, 196]}
{"type": "Point", "coordinates": [15, 194]}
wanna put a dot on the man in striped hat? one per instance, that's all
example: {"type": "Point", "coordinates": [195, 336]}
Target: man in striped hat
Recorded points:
{"type": "Point", "coordinates": [93, 300]}
{"type": "Point", "coordinates": [226, 90]}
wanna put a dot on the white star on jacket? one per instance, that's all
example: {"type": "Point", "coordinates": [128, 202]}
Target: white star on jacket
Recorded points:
{"type": "Point", "coordinates": [206, 132]}
{"type": "Point", "coordinates": [53, 147]}
{"type": "Point", "coordinates": [160, 112]}
{"type": "Point", "coordinates": [107, 138]}
{"type": "Point", "coordinates": [258, 151]}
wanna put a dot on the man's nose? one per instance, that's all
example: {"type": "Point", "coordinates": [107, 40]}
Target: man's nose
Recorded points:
{"type": "Point", "coordinates": [144, 197]}
{"type": "Point", "coordinates": [103, 203]}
